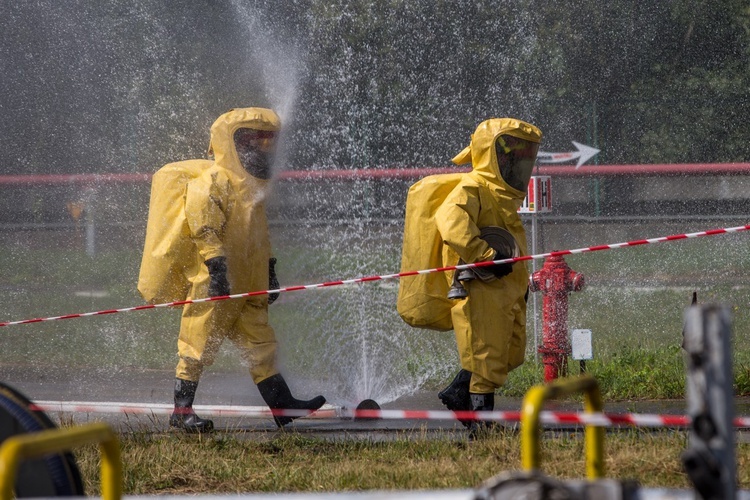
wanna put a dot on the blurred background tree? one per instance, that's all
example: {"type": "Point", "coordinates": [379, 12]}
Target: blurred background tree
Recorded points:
{"type": "Point", "coordinates": [127, 86]}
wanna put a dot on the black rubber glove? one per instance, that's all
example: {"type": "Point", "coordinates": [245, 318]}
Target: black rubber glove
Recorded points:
{"type": "Point", "coordinates": [273, 281]}
{"type": "Point", "coordinates": [217, 270]}
{"type": "Point", "coordinates": [501, 270]}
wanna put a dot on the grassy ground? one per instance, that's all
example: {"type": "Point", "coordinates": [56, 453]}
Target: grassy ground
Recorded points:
{"type": "Point", "coordinates": [633, 302]}
{"type": "Point", "coordinates": [291, 462]}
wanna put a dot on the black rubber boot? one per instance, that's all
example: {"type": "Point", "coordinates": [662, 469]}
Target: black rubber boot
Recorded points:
{"type": "Point", "coordinates": [456, 396]}
{"type": "Point", "coordinates": [481, 402]}
{"type": "Point", "coordinates": [277, 396]}
{"type": "Point", "coordinates": [183, 416]}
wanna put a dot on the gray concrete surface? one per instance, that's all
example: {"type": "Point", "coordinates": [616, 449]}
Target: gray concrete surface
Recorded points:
{"type": "Point", "coordinates": [155, 387]}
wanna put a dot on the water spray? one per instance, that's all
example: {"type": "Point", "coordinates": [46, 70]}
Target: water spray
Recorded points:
{"type": "Point", "coordinates": [366, 279]}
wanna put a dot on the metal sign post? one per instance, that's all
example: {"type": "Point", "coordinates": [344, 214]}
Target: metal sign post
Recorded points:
{"type": "Point", "coordinates": [538, 199]}
{"type": "Point", "coordinates": [709, 460]}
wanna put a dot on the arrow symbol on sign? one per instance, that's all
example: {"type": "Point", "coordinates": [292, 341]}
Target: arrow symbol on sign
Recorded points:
{"type": "Point", "coordinates": [584, 154]}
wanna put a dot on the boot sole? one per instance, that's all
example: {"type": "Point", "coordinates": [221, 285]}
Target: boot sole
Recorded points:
{"type": "Point", "coordinates": [282, 421]}
{"type": "Point", "coordinates": [192, 429]}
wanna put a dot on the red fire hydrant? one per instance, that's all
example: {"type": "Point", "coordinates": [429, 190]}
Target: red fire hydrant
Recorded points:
{"type": "Point", "coordinates": [555, 279]}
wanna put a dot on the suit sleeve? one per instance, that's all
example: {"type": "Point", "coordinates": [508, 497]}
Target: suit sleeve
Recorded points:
{"type": "Point", "coordinates": [456, 221]}
{"type": "Point", "coordinates": [206, 200]}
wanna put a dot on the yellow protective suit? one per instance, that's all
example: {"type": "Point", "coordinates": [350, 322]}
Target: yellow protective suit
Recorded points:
{"type": "Point", "coordinates": [225, 214]}
{"type": "Point", "coordinates": [490, 324]}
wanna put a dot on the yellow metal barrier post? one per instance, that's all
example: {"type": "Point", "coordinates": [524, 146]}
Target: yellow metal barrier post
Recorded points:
{"type": "Point", "coordinates": [530, 428]}
{"type": "Point", "coordinates": [25, 446]}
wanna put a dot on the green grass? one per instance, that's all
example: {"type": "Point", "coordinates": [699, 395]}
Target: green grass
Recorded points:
{"type": "Point", "coordinates": [633, 303]}
{"type": "Point", "coordinates": [290, 462]}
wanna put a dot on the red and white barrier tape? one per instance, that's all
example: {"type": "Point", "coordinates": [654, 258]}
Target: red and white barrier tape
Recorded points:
{"type": "Point", "coordinates": [366, 279]}
{"type": "Point", "coordinates": [327, 411]}
{"type": "Point", "coordinates": [331, 412]}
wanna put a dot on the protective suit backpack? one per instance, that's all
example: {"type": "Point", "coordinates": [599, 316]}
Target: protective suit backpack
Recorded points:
{"type": "Point", "coordinates": [423, 299]}
{"type": "Point", "coordinates": [168, 252]}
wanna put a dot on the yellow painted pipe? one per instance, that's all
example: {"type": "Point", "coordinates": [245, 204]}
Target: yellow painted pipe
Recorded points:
{"type": "Point", "coordinates": [533, 402]}
{"type": "Point", "coordinates": [32, 445]}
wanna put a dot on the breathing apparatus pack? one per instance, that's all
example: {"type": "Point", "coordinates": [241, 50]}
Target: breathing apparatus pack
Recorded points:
{"type": "Point", "coordinates": [423, 299]}
{"type": "Point", "coordinates": [169, 253]}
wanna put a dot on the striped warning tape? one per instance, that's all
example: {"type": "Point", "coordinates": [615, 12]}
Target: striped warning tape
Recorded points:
{"type": "Point", "coordinates": [334, 412]}
{"type": "Point", "coordinates": [366, 279]}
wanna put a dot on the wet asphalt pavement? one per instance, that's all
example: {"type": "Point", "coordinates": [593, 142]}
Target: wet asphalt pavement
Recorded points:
{"type": "Point", "coordinates": [155, 387]}
{"type": "Point", "coordinates": [215, 389]}
{"type": "Point", "coordinates": [220, 389]}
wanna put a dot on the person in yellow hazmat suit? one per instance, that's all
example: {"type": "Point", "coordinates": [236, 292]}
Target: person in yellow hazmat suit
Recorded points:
{"type": "Point", "coordinates": [225, 214]}
{"type": "Point", "coordinates": [479, 221]}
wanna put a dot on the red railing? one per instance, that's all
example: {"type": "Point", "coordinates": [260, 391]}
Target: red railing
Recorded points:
{"type": "Point", "coordinates": [671, 169]}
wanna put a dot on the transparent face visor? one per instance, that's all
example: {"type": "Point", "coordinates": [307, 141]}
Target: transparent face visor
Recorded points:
{"type": "Point", "coordinates": [516, 159]}
{"type": "Point", "coordinates": [255, 149]}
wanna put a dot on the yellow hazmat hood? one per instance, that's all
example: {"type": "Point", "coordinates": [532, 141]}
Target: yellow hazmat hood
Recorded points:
{"type": "Point", "coordinates": [481, 152]}
{"type": "Point", "coordinates": [223, 129]}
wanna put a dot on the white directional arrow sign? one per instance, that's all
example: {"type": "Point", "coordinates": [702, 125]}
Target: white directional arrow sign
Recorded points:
{"type": "Point", "coordinates": [584, 154]}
